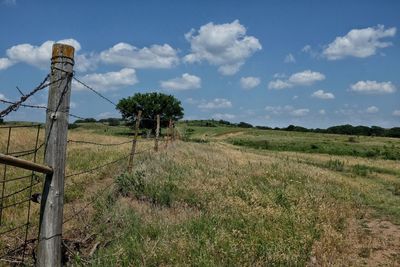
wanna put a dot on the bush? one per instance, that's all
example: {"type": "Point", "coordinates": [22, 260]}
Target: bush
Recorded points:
{"type": "Point", "coordinates": [136, 185]}
{"type": "Point", "coordinates": [361, 170]}
{"type": "Point", "coordinates": [72, 126]}
{"type": "Point", "coordinates": [335, 165]}
{"type": "Point", "coordinates": [352, 139]}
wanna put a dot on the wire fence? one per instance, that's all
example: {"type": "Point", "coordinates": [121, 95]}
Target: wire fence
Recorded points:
{"type": "Point", "coordinates": [20, 189]}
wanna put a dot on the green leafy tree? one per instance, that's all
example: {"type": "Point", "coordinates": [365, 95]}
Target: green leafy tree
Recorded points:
{"type": "Point", "coordinates": [151, 104]}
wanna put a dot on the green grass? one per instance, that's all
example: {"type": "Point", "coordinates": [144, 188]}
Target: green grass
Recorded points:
{"type": "Point", "coordinates": [362, 146]}
{"type": "Point", "coordinates": [232, 197]}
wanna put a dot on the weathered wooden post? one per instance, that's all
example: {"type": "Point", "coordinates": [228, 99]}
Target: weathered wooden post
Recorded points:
{"type": "Point", "coordinates": [157, 133]}
{"type": "Point", "coordinates": [137, 123]}
{"type": "Point", "coordinates": [51, 208]}
{"type": "Point", "coordinates": [167, 133]}
{"type": "Point", "coordinates": [171, 131]}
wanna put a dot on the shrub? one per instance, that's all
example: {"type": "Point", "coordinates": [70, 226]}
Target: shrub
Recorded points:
{"type": "Point", "coordinates": [352, 139]}
{"type": "Point", "coordinates": [335, 165]}
{"type": "Point", "coordinates": [72, 126]}
{"type": "Point", "coordinates": [361, 170]}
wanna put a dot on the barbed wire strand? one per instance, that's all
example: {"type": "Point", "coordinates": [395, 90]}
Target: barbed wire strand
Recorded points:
{"type": "Point", "coordinates": [23, 98]}
{"type": "Point", "coordinates": [94, 91]}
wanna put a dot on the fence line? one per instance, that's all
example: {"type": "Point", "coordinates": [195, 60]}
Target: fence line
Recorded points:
{"type": "Point", "coordinates": [22, 248]}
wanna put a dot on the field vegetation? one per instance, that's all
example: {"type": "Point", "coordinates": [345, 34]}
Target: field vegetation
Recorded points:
{"type": "Point", "coordinates": [224, 196]}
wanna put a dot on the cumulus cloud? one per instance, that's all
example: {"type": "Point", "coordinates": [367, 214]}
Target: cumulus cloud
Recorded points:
{"type": "Point", "coordinates": [300, 112]}
{"type": "Point", "coordinates": [5, 63]}
{"type": "Point", "coordinates": [40, 55]}
{"type": "Point", "coordinates": [127, 55]}
{"type": "Point", "coordinates": [396, 112]}
{"type": "Point", "coordinates": [287, 110]}
{"type": "Point", "coordinates": [289, 58]}
{"type": "Point", "coordinates": [216, 103]}
{"type": "Point", "coordinates": [322, 112]}
{"type": "Point", "coordinates": [322, 95]}
{"type": "Point", "coordinates": [373, 87]}
{"type": "Point", "coordinates": [108, 81]}
{"type": "Point", "coordinates": [185, 82]}
{"type": "Point", "coordinates": [279, 84]}
{"type": "Point", "coordinates": [359, 43]}
{"type": "Point", "coordinates": [224, 45]}
{"type": "Point", "coordinates": [279, 109]}
{"type": "Point", "coordinates": [303, 78]}
{"type": "Point", "coordinates": [223, 116]}
{"type": "Point", "coordinates": [249, 82]}
{"type": "Point", "coordinates": [372, 109]}
{"type": "Point", "coordinates": [306, 77]}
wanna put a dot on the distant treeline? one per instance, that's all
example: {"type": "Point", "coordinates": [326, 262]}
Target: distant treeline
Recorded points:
{"type": "Point", "coordinates": [340, 129]}
{"type": "Point", "coordinates": [110, 121]}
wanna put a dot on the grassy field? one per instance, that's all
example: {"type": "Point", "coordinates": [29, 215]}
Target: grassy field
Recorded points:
{"type": "Point", "coordinates": [232, 197]}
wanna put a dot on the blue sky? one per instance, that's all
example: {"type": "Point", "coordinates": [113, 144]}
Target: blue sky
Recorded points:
{"type": "Point", "coordinates": [275, 63]}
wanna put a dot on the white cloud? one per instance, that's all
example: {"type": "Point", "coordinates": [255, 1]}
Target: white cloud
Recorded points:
{"type": "Point", "coordinates": [86, 62]}
{"type": "Point", "coordinates": [303, 78]}
{"type": "Point", "coordinates": [155, 56]}
{"type": "Point", "coordinates": [372, 109]}
{"type": "Point", "coordinates": [191, 101]}
{"type": "Point", "coordinates": [322, 95]}
{"type": "Point", "coordinates": [39, 56]}
{"type": "Point", "coordinates": [300, 112]}
{"type": "Point", "coordinates": [396, 112]}
{"type": "Point", "coordinates": [5, 63]}
{"type": "Point", "coordinates": [185, 82]}
{"type": "Point", "coordinates": [306, 77]}
{"type": "Point", "coordinates": [290, 58]}
{"type": "Point", "coordinates": [359, 43]}
{"type": "Point", "coordinates": [373, 87]}
{"type": "Point", "coordinates": [322, 112]}
{"type": "Point", "coordinates": [287, 110]}
{"type": "Point", "coordinates": [279, 75]}
{"type": "Point", "coordinates": [108, 114]}
{"type": "Point", "coordinates": [279, 109]}
{"type": "Point", "coordinates": [224, 45]}
{"type": "Point", "coordinates": [3, 97]}
{"type": "Point", "coordinates": [108, 81]}
{"type": "Point", "coordinates": [216, 103]}
{"type": "Point", "coordinates": [306, 49]}
{"type": "Point", "coordinates": [223, 116]}
{"type": "Point", "coordinates": [249, 82]}
{"type": "Point", "coordinates": [295, 97]}
{"type": "Point", "coordinates": [279, 84]}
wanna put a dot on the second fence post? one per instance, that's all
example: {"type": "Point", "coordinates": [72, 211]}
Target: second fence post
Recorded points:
{"type": "Point", "coordinates": [51, 208]}
{"type": "Point", "coordinates": [130, 164]}
{"type": "Point", "coordinates": [157, 133]}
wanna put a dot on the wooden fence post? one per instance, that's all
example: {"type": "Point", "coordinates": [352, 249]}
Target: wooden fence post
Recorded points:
{"type": "Point", "coordinates": [170, 131]}
{"type": "Point", "coordinates": [157, 133]}
{"type": "Point", "coordinates": [167, 133]}
{"type": "Point", "coordinates": [173, 131]}
{"type": "Point", "coordinates": [51, 208]}
{"type": "Point", "coordinates": [137, 123]}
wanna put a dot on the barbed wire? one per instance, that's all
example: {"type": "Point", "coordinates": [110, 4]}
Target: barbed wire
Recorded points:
{"type": "Point", "coordinates": [97, 167]}
{"type": "Point", "coordinates": [98, 144]}
{"type": "Point", "coordinates": [13, 107]}
{"type": "Point", "coordinates": [16, 105]}
{"type": "Point", "coordinates": [94, 91]}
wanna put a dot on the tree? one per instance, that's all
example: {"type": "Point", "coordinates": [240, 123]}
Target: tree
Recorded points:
{"type": "Point", "coordinates": [151, 104]}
